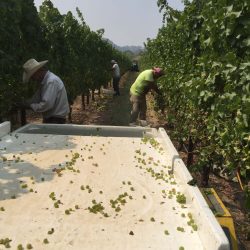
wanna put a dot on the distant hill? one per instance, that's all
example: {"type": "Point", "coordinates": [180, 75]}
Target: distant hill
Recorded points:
{"type": "Point", "coordinates": [134, 49]}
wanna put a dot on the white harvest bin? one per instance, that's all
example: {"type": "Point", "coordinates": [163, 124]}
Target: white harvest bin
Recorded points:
{"type": "Point", "coordinates": [100, 187]}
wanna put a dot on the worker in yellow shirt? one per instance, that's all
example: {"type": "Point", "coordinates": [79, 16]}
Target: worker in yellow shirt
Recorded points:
{"type": "Point", "coordinates": [145, 82]}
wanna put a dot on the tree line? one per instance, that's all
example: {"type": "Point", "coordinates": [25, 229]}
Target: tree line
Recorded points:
{"type": "Point", "coordinates": [80, 56]}
{"type": "Point", "coordinates": [206, 91]}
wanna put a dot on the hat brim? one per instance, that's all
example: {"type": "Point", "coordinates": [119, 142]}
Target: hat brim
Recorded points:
{"type": "Point", "coordinates": [28, 75]}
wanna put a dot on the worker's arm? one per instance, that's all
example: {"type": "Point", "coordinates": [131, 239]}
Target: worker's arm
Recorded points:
{"type": "Point", "coordinates": [25, 104]}
{"type": "Point", "coordinates": [35, 98]}
{"type": "Point", "coordinates": [48, 98]}
{"type": "Point", "coordinates": [155, 88]}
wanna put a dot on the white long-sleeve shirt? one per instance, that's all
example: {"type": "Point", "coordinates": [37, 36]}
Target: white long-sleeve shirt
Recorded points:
{"type": "Point", "coordinates": [51, 98]}
{"type": "Point", "coordinates": [116, 71]}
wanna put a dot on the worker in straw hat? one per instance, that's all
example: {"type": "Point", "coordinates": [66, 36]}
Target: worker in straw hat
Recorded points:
{"type": "Point", "coordinates": [145, 82]}
{"type": "Point", "coordinates": [51, 97]}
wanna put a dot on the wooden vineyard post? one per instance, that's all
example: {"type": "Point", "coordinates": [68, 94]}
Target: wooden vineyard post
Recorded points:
{"type": "Point", "coordinates": [23, 117]}
{"type": "Point", "coordinates": [83, 102]}
{"type": "Point", "coordinates": [88, 97]}
{"type": "Point", "coordinates": [70, 113]}
{"type": "Point", "coordinates": [190, 150]}
{"type": "Point", "coordinates": [205, 175]}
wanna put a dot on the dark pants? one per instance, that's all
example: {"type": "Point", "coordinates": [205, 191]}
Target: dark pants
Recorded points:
{"type": "Point", "coordinates": [116, 85]}
{"type": "Point", "coordinates": [56, 120]}
{"type": "Point", "coordinates": [139, 108]}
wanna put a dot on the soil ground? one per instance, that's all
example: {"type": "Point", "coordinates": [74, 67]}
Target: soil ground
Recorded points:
{"type": "Point", "coordinates": [109, 110]}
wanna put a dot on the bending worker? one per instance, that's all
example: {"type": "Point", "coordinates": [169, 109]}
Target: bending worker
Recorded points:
{"type": "Point", "coordinates": [142, 85]}
{"type": "Point", "coordinates": [51, 98]}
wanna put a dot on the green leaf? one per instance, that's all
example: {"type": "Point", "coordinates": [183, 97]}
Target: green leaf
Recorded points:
{"type": "Point", "coordinates": [246, 42]}
{"type": "Point", "coordinates": [244, 65]}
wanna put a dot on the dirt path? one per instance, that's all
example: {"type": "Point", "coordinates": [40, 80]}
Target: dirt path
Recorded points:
{"type": "Point", "coordinates": [106, 109]}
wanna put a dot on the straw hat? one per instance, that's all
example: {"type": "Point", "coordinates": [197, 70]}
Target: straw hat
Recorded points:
{"type": "Point", "coordinates": [30, 67]}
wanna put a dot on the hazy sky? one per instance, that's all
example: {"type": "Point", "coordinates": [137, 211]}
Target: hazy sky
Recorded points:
{"type": "Point", "coordinates": [126, 22]}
